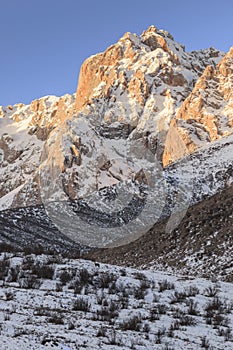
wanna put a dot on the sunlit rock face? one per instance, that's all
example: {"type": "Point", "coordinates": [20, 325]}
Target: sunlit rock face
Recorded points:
{"type": "Point", "coordinates": [206, 115]}
{"type": "Point", "coordinates": [24, 129]}
{"type": "Point", "coordinates": [141, 82]}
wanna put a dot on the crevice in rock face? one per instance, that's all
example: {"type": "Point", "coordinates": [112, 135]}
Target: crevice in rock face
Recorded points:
{"type": "Point", "coordinates": [119, 131]}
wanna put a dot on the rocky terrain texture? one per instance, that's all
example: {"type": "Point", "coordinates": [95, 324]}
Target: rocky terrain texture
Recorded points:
{"type": "Point", "coordinates": [202, 244]}
{"type": "Point", "coordinates": [31, 230]}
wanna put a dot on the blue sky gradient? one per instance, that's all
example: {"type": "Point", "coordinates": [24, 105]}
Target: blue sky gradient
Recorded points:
{"type": "Point", "coordinates": [44, 42]}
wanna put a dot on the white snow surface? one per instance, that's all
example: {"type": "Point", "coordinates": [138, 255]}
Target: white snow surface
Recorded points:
{"type": "Point", "coordinates": [170, 312]}
{"type": "Point", "coordinates": [7, 200]}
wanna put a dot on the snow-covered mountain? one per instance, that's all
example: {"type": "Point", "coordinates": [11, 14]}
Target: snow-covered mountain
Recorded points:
{"type": "Point", "coordinates": [134, 90]}
{"type": "Point", "coordinates": [147, 135]}
{"type": "Point", "coordinates": [135, 169]}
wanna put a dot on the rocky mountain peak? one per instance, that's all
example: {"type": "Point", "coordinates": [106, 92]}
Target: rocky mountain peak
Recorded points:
{"type": "Point", "coordinates": [125, 65]}
{"type": "Point", "coordinates": [145, 87]}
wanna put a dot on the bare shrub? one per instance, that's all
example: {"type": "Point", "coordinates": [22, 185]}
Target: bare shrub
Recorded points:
{"type": "Point", "coordinates": [124, 302]}
{"type": "Point", "coordinates": [146, 328]}
{"type": "Point", "coordinates": [165, 285]}
{"type": "Point", "coordinates": [154, 314]}
{"type": "Point", "coordinates": [4, 268]}
{"type": "Point", "coordinates": [192, 307]}
{"type": "Point", "coordinates": [13, 274]}
{"type": "Point", "coordinates": [174, 326]}
{"type": "Point", "coordinates": [102, 332]}
{"type": "Point", "coordinates": [140, 276]}
{"type": "Point", "coordinates": [132, 324]}
{"type": "Point", "coordinates": [9, 295]}
{"type": "Point", "coordinates": [81, 304]}
{"type": "Point", "coordinates": [215, 305]}
{"type": "Point", "coordinates": [178, 313]}
{"type": "Point", "coordinates": [106, 280]}
{"type": "Point", "coordinates": [156, 298]}
{"type": "Point", "coordinates": [70, 326]}
{"type": "Point", "coordinates": [43, 271]}
{"type": "Point", "coordinates": [140, 291]}
{"type": "Point", "coordinates": [66, 276]}
{"type": "Point", "coordinates": [192, 291]}
{"type": "Point", "coordinates": [7, 317]}
{"type": "Point", "coordinates": [29, 282]}
{"type": "Point", "coordinates": [159, 335]}
{"type": "Point", "coordinates": [123, 272]}
{"type": "Point", "coordinates": [178, 297]}
{"type": "Point", "coordinates": [113, 338]}
{"type": "Point", "coordinates": [58, 287]}
{"type": "Point", "coordinates": [56, 319]}
{"type": "Point", "coordinates": [205, 343]}
{"type": "Point", "coordinates": [162, 309]}
{"type": "Point", "coordinates": [46, 311]}
{"type": "Point", "coordinates": [85, 277]}
{"type": "Point", "coordinates": [187, 321]}
{"type": "Point", "coordinates": [214, 313]}
{"type": "Point", "coordinates": [78, 287]}
{"type": "Point", "coordinates": [28, 263]}
{"type": "Point", "coordinates": [105, 313]}
{"type": "Point", "coordinates": [226, 333]}
{"type": "Point", "coordinates": [168, 347]}
{"type": "Point", "coordinates": [211, 291]}
{"type": "Point", "coordinates": [220, 320]}
{"type": "Point", "coordinates": [101, 298]}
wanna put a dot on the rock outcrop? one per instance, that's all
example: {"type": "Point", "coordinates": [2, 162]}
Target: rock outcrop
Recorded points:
{"type": "Point", "coordinates": [141, 81]}
{"type": "Point", "coordinates": [206, 115]}
{"type": "Point", "coordinates": [24, 130]}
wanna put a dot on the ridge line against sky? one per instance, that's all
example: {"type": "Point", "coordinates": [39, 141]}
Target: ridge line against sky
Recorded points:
{"type": "Point", "coordinates": [44, 42]}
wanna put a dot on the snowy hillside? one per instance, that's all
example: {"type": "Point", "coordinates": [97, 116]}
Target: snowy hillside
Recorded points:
{"type": "Point", "coordinates": [47, 302]}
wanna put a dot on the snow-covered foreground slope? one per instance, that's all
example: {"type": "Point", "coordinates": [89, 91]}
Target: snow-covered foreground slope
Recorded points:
{"type": "Point", "coordinates": [50, 303]}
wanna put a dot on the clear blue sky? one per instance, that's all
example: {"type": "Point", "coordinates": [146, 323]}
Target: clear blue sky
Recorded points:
{"type": "Point", "coordinates": [44, 42]}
